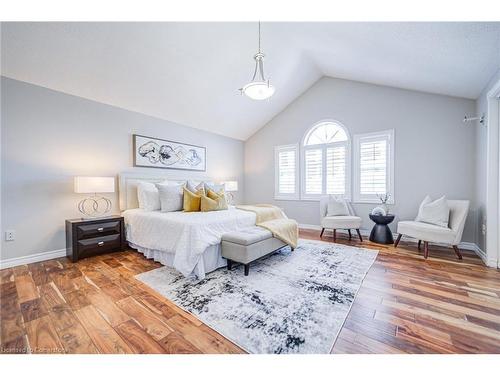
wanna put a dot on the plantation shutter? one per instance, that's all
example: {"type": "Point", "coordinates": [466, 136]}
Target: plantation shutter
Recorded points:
{"type": "Point", "coordinates": [286, 165]}
{"type": "Point", "coordinates": [336, 170]}
{"type": "Point", "coordinates": [373, 167]}
{"type": "Point", "coordinates": [287, 172]}
{"type": "Point", "coordinates": [313, 162]}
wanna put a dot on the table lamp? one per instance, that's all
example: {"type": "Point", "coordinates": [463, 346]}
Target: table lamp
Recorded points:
{"type": "Point", "coordinates": [229, 188]}
{"type": "Point", "coordinates": [94, 205]}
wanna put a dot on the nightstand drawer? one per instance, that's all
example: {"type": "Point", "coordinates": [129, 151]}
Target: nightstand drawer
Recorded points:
{"type": "Point", "coordinates": [99, 229]}
{"type": "Point", "coordinates": [98, 245]}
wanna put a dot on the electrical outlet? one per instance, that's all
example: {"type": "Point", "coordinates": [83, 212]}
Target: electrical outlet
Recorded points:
{"type": "Point", "coordinates": [10, 235]}
{"type": "Point", "coordinates": [483, 229]}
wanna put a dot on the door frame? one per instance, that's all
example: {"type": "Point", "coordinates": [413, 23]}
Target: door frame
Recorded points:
{"type": "Point", "coordinates": [493, 178]}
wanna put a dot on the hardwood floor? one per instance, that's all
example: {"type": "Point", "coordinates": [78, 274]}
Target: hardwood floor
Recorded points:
{"type": "Point", "coordinates": [405, 305]}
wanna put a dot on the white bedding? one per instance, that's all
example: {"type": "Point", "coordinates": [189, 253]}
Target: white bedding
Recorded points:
{"type": "Point", "coordinates": [185, 235]}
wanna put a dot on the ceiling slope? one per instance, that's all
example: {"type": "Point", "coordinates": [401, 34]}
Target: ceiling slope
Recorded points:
{"type": "Point", "coordinates": [190, 73]}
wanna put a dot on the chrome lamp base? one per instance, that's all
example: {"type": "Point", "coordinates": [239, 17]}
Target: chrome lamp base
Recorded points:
{"type": "Point", "coordinates": [94, 206]}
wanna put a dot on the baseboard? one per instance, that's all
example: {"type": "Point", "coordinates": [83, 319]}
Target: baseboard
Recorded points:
{"type": "Point", "coordinates": [40, 257]}
{"type": "Point", "coordinates": [479, 252]}
{"type": "Point", "coordinates": [463, 245]}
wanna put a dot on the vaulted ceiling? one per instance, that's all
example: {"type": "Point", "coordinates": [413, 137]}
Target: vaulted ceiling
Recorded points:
{"type": "Point", "coordinates": [190, 73]}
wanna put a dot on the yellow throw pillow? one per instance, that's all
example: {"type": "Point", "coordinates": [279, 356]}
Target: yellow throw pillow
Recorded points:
{"type": "Point", "coordinates": [221, 194]}
{"type": "Point", "coordinates": [192, 201]}
{"type": "Point", "coordinates": [213, 202]}
{"type": "Point", "coordinates": [214, 195]}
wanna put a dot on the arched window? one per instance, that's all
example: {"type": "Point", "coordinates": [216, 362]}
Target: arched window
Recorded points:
{"type": "Point", "coordinates": [326, 161]}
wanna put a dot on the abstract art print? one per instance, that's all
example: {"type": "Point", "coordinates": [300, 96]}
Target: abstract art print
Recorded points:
{"type": "Point", "coordinates": [160, 153]}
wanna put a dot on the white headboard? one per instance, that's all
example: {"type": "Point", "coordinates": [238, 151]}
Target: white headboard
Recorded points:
{"type": "Point", "coordinates": [127, 185]}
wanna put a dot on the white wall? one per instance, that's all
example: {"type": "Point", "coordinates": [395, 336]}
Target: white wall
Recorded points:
{"type": "Point", "coordinates": [48, 137]}
{"type": "Point", "coordinates": [481, 160]}
{"type": "Point", "coordinates": [434, 150]}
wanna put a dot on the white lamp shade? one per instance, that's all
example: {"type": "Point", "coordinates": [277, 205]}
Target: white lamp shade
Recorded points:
{"type": "Point", "coordinates": [94, 184]}
{"type": "Point", "coordinates": [230, 185]}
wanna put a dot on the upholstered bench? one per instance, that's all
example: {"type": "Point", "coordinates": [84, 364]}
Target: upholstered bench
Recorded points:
{"type": "Point", "coordinates": [247, 245]}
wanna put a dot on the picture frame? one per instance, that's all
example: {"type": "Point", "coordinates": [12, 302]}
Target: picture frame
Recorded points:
{"type": "Point", "coordinates": [151, 152]}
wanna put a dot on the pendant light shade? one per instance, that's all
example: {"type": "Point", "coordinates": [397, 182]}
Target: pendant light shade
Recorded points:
{"type": "Point", "coordinates": [259, 88]}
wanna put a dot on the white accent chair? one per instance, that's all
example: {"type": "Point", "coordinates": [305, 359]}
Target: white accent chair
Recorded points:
{"type": "Point", "coordinates": [434, 233]}
{"type": "Point", "coordinates": [339, 222]}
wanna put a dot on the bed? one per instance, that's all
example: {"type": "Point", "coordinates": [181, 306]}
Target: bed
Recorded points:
{"type": "Point", "coordinates": [187, 241]}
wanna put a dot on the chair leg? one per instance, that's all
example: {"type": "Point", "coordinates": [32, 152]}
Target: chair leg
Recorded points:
{"type": "Point", "coordinates": [335, 235]}
{"type": "Point", "coordinates": [247, 268]}
{"type": "Point", "coordinates": [229, 264]}
{"type": "Point", "coordinates": [397, 240]}
{"type": "Point", "coordinates": [359, 235]}
{"type": "Point", "coordinates": [322, 231]}
{"type": "Point", "coordinates": [426, 249]}
{"type": "Point", "coordinates": [350, 235]}
{"type": "Point", "coordinates": [419, 243]}
{"type": "Point", "coordinates": [457, 251]}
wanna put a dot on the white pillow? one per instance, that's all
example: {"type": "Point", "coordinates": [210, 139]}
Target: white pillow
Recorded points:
{"type": "Point", "coordinates": [193, 188]}
{"type": "Point", "coordinates": [218, 188]}
{"type": "Point", "coordinates": [148, 197]}
{"type": "Point", "coordinates": [174, 183]}
{"type": "Point", "coordinates": [337, 207]}
{"type": "Point", "coordinates": [171, 197]}
{"type": "Point", "coordinates": [436, 213]}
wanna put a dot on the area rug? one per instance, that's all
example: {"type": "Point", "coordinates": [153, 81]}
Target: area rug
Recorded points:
{"type": "Point", "coordinates": [291, 302]}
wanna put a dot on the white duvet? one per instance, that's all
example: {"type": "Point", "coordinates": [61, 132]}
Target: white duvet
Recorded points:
{"type": "Point", "coordinates": [185, 234]}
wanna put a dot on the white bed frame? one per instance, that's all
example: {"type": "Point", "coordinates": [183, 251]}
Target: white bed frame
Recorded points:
{"type": "Point", "coordinates": [127, 190]}
{"type": "Point", "coordinates": [127, 185]}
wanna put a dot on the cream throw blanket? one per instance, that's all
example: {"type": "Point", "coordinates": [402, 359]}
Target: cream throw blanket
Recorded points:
{"type": "Point", "coordinates": [274, 219]}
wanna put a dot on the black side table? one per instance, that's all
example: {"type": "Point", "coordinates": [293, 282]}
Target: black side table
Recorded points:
{"type": "Point", "coordinates": [381, 233]}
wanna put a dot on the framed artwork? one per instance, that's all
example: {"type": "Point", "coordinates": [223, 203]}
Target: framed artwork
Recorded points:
{"type": "Point", "coordinates": [161, 153]}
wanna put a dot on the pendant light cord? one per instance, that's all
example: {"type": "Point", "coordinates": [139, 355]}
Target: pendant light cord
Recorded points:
{"type": "Point", "coordinates": [259, 36]}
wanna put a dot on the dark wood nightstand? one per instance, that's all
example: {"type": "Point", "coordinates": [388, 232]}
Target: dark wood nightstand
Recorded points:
{"type": "Point", "coordinates": [88, 237]}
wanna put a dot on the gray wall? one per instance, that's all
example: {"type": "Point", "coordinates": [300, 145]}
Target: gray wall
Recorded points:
{"type": "Point", "coordinates": [434, 150]}
{"type": "Point", "coordinates": [481, 161]}
{"type": "Point", "coordinates": [48, 137]}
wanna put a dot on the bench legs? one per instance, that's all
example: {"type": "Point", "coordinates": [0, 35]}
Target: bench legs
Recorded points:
{"type": "Point", "coordinates": [322, 231]}
{"type": "Point", "coordinates": [230, 266]}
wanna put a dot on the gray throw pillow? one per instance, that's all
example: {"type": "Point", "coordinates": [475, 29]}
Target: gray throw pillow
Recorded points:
{"type": "Point", "coordinates": [171, 197]}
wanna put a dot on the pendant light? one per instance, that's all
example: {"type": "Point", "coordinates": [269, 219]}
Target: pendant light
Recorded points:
{"type": "Point", "coordinates": [259, 88]}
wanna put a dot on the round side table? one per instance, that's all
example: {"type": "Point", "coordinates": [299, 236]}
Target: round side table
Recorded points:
{"type": "Point", "coordinates": [381, 233]}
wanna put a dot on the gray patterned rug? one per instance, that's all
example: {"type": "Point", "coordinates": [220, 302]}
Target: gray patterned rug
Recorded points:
{"type": "Point", "coordinates": [291, 302]}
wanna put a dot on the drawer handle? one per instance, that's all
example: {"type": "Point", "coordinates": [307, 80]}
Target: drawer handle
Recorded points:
{"type": "Point", "coordinates": [100, 229]}
{"type": "Point", "coordinates": [100, 243]}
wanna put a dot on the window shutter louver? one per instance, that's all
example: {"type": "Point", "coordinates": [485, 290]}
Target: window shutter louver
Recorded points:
{"type": "Point", "coordinates": [314, 171]}
{"type": "Point", "coordinates": [286, 165]}
{"type": "Point", "coordinates": [373, 167]}
{"type": "Point", "coordinates": [335, 170]}
{"type": "Point", "coordinates": [286, 184]}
